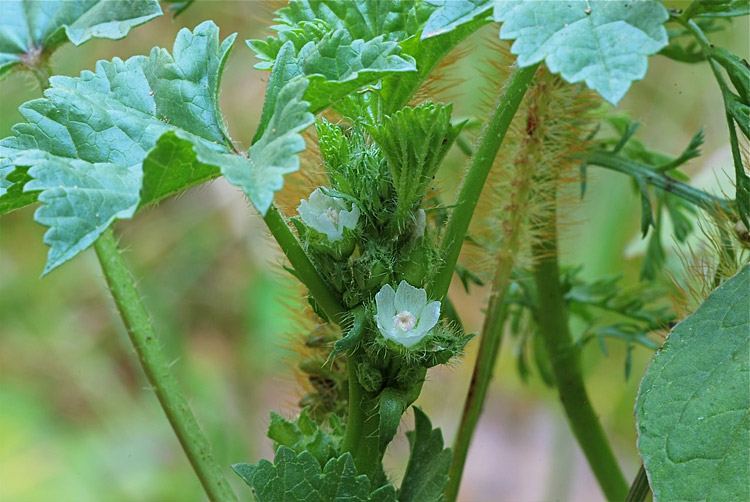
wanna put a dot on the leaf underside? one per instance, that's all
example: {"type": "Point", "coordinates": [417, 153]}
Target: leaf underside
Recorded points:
{"type": "Point", "coordinates": [41, 26]}
{"type": "Point", "coordinates": [604, 44]}
{"type": "Point", "coordinates": [693, 406]}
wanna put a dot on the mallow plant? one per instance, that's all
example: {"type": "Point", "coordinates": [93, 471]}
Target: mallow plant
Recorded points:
{"type": "Point", "coordinates": [374, 241]}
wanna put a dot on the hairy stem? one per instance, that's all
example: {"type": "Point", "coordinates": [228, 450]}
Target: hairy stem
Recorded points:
{"type": "Point", "coordinates": [476, 175]}
{"type": "Point", "coordinates": [643, 171]}
{"type": "Point", "coordinates": [566, 364]}
{"type": "Point", "coordinates": [361, 437]}
{"type": "Point", "coordinates": [303, 267]}
{"type": "Point", "coordinates": [639, 490]}
{"type": "Point", "coordinates": [158, 370]}
{"type": "Point", "coordinates": [494, 321]}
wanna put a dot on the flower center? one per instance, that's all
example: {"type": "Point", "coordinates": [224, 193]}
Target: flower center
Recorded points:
{"type": "Point", "coordinates": [333, 215]}
{"type": "Point", "coordinates": [404, 320]}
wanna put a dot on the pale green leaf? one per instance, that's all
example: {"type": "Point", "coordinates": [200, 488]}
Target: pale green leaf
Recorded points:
{"type": "Point", "coordinates": [274, 154]}
{"type": "Point", "coordinates": [89, 140]}
{"type": "Point", "coordinates": [450, 14]}
{"type": "Point", "coordinates": [335, 66]}
{"type": "Point", "coordinates": [136, 131]}
{"type": "Point", "coordinates": [605, 44]}
{"type": "Point", "coordinates": [302, 21]}
{"type": "Point", "coordinates": [30, 28]}
{"type": "Point", "coordinates": [339, 47]}
{"type": "Point", "coordinates": [427, 471]}
{"type": "Point", "coordinates": [693, 406]}
{"type": "Point", "coordinates": [602, 43]}
{"type": "Point", "coordinates": [299, 478]}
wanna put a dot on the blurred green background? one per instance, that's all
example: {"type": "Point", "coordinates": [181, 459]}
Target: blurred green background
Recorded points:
{"type": "Point", "coordinates": [77, 421]}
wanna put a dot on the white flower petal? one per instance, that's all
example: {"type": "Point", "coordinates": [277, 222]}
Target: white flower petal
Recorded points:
{"type": "Point", "coordinates": [410, 298]}
{"type": "Point", "coordinates": [319, 201]}
{"type": "Point", "coordinates": [327, 215]}
{"type": "Point", "coordinates": [429, 318]}
{"type": "Point", "coordinates": [385, 309]}
{"type": "Point", "coordinates": [349, 219]}
{"type": "Point", "coordinates": [324, 225]}
{"type": "Point", "coordinates": [411, 340]}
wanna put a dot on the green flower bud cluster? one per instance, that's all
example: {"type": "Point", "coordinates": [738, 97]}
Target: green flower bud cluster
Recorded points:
{"type": "Point", "coordinates": [347, 227]}
{"type": "Point", "coordinates": [372, 240]}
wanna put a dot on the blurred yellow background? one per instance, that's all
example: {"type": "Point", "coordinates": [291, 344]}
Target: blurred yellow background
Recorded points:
{"type": "Point", "coordinates": [77, 422]}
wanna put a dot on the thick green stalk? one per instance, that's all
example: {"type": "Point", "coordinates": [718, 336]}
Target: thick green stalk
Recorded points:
{"type": "Point", "coordinates": [566, 364]}
{"type": "Point", "coordinates": [361, 438]}
{"type": "Point", "coordinates": [639, 490]}
{"type": "Point", "coordinates": [476, 176]}
{"type": "Point", "coordinates": [303, 267]}
{"type": "Point", "coordinates": [158, 370]}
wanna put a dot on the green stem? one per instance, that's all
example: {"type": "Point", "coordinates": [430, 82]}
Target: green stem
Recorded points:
{"type": "Point", "coordinates": [42, 74]}
{"type": "Point", "coordinates": [158, 370]}
{"type": "Point", "coordinates": [476, 175]}
{"type": "Point", "coordinates": [566, 364]}
{"type": "Point", "coordinates": [639, 490]}
{"type": "Point", "coordinates": [303, 267]}
{"type": "Point", "coordinates": [361, 438]}
{"type": "Point", "coordinates": [489, 348]}
{"type": "Point", "coordinates": [643, 171]}
{"type": "Point", "coordinates": [494, 321]}
{"type": "Point", "coordinates": [741, 179]}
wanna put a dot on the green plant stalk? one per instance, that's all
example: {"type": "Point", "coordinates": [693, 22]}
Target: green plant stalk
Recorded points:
{"type": "Point", "coordinates": [476, 175]}
{"type": "Point", "coordinates": [639, 490]}
{"type": "Point", "coordinates": [158, 370]}
{"type": "Point", "coordinates": [491, 338]}
{"type": "Point", "coordinates": [637, 169]}
{"type": "Point", "coordinates": [303, 267]}
{"type": "Point", "coordinates": [489, 348]}
{"type": "Point", "coordinates": [361, 437]}
{"type": "Point", "coordinates": [566, 364]}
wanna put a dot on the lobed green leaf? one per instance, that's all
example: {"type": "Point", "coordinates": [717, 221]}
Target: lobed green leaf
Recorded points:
{"type": "Point", "coordinates": [100, 146]}
{"type": "Point", "coordinates": [293, 478]}
{"type": "Point", "coordinates": [30, 29]}
{"type": "Point", "coordinates": [604, 44]}
{"type": "Point", "coordinates": [427, 471]}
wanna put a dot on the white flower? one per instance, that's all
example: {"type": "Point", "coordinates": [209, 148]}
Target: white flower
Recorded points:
{"type": "Point", "coordinates": [404, 315]}
{"type": "Point", "coordinates": [328, 215]}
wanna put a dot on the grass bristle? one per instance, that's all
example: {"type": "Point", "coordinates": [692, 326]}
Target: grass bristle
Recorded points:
{"type": "Point", "coordinates": [537, 159]}
{"type": "Point", "coordinates": [311, 175]}
{"type": "Point", "coordinates": [721, 253]}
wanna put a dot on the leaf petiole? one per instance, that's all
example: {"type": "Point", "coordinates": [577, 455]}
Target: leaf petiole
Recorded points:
{"type": "Point", "coordinates": [158, 370]}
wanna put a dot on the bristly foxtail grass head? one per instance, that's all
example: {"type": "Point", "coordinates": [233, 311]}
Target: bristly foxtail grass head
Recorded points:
{"type": "Point", "coordinates": [723, 250]}
{"type": "Point", "coordinates": [538, 157]}
{"type": "Point", "coordinates": [442, 83]}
